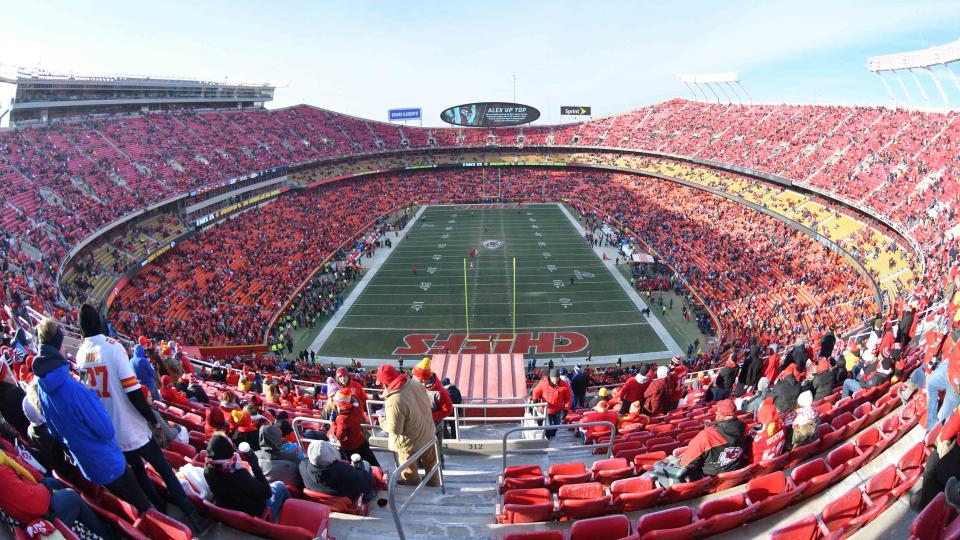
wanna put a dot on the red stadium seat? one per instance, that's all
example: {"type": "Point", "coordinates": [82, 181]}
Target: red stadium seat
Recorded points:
{"type": "Point", "coordinates": [807, 528]}
{"type": "Point", "coordinates": [636, 493]}
{"type": "Point", "coordinates": [931, 521]}
{"type": "Point", "coordinates": [645, 462]}
{"type": "Point", "coordinates": [612, 527]}
{"type": "Point", "coordinates": [534, 535]}
{"type": "Point", "coordinates": [723, 514]}
{"type": "Point", "coordinates": [845, 455]}
{"type": "Point", "coordinates": [160, 527]}
{"type": "Point", "coordinates": [336, 504]}
{"type": "Point", "coordinates": [731, 479]}
{"type": "Point", "coordinates": [770, 493]}
{"type": "Point", "coordinates": [840, 513]}
{"type": "Point", "coordinates": [562, 474]}
{"type": "Point", "coordinates": [522, 477]}
{"type": "Point", "coordinates": [686, 490]}
{"type": "Point", "coordinates": [672, 523]}
{"type": "Point", "coordinates": [814, 476]}
{"type": "Point", "coordinates": [606, 471]}
{"type": "Point", "coordinates": [868, 442]}
{"type": "Point", "coordinates": [527, 506]}
{"type": "Point", "coordinates": [911, 463]}
{"type": "Point", "coordinates": [580, 501]}
{"type": "Point", "coordinates": [314, 518]}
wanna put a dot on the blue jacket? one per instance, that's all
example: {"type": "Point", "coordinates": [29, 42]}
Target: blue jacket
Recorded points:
{"type": "Point", "coordinates": [146, 375]}
{"type": "Point", "coordinates": [75, 416]}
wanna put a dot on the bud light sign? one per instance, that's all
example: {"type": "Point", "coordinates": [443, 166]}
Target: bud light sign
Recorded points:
{"type": "Point", "coordinates": [404, 114]}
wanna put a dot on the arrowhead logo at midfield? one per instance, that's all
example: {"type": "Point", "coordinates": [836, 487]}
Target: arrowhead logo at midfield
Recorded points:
{"type": "Point", "coordinates": [493, 244]}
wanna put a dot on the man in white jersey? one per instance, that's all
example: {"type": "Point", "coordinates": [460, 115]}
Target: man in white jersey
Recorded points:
{"type": "Point", "coordinates": [104, 366]}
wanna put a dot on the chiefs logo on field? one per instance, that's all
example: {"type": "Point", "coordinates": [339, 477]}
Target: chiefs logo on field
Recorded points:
{"type": "Point", "coordinates": [522, 343]}
{"type": "Point", "coordinates": [493, 244]}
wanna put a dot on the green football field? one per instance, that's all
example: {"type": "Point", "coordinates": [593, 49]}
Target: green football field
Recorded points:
{"type": "Point", "coordinates": [561, 299]}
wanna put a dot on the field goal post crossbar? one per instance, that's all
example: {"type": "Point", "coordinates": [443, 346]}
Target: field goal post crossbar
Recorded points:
{"type": "Point", "coordinates": [513, 307]}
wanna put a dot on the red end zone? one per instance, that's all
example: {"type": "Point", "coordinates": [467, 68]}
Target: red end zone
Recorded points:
{"type": "Point", "coordinates": [484, 378]}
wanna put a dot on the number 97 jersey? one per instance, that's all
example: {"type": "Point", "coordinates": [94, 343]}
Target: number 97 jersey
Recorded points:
{"type": "Point", "coordinates": [105, 367]}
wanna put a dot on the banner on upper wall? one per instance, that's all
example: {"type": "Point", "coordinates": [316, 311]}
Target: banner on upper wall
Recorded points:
{"type": "Point", "coordinates": [575, 110]}
{"type": "Point", "coordinates": [490, 114]}
{"type": "Point", "coordinates": [410, 113]}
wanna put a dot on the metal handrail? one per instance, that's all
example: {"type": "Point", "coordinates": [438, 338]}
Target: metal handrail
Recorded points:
{"type": "Point", "coordinates": [504, 451]}
{"type": "Point", "coordinates": [302, 419]}
{"type": "Point", "coordinates": [412, 462]}
{"type": "Point", "coordinates": [458, 418]}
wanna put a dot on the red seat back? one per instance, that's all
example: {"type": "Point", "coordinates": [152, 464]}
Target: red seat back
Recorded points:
{"type": "Point", "coordinates": [528, 496]}
{"type": "Point", "coordinates": [588, 490]}
{"type": "Point", "coordinates": [564, 469]}
{"type": "Point", "coordinates": [724, 505]}
{"type": "Point", "coordinates": [809, 470]}
{"type": "Point", "coordinates": [767, 485]}
{"type": "Point", "coordinates": [665, 519]}
{"type": "Point", "coordinates": [631, 485]}
{"type": "Point", "coordinates": [160, 527]}
{"type": "Point", "coordinates": [311, 516]}
{"type": "Point", "coordinates": [612, 527]}
{"type": "Point", "coordinates": [839, 512]}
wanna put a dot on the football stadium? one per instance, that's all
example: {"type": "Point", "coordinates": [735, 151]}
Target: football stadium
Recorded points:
{"type": "Point", "coordinates": [717, 297]}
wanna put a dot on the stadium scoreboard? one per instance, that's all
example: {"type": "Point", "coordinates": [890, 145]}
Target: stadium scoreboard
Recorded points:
{"type": "Point", "coordinates": [490, 114]}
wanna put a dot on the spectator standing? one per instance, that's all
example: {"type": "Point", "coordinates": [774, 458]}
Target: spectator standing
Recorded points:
{"type": "Point", "coordinates": [77, 418]}
{"type": "Point", "coordinates": [657, 394]}
{"type": "Point", "coordinates": [408, 422]}
{"type": "Point", "coordinates": [105, 367]}
{"type": "Point", "coordinates": [440, 404]}
{"type": "Point", "coordinates": [578, 385]}
{"type": "Point", "coordinates": [632, 391]}
{"type": "Point", "coordinates": [942, 463]}
{"type": "Point", "coordinates": [556, 394]}
{"type": "Point", "coordinates": [457, 399]}
{"type": "Point", "coordinates": [345, 380]}
{"type": "Point", "coordinates": [146, 374]}
{"type": "Point", "coordinates": [347, 428]}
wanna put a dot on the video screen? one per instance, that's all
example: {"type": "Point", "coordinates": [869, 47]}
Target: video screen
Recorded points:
{"type": "Point", "coordinates": [490, 115]}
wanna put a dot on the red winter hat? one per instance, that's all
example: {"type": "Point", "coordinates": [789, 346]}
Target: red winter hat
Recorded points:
{"type": "Point", "coordinates": [342, 371]}
{"type": "Point", "coordinates": [726, 409]}
{"type": "Point", "coordinates": [386, 374]}
{"type": "Point", "coordinates": [344, 399]}
{"type": "Point", "coordinates": [767, 412]}
{"type": "Point", "coordinates": [145, 342]}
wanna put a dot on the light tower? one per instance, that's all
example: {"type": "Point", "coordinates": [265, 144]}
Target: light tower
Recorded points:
{"type": "Point", "coordinates": [715, 80]}
{"type": "Point", "coordinates": [914, 62]}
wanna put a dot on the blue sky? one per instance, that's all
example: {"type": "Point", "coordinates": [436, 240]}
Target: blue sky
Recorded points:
{"type": "Point", "coordinates": [365, 57]}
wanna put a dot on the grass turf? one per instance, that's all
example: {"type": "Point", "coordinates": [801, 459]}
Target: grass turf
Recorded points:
{"type": "Point", "coordinates": [549, 254]}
